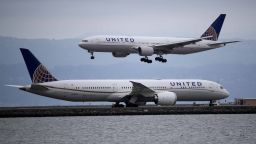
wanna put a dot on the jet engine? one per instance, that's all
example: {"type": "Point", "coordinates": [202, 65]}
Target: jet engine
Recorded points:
{"type": "Point", "coordinates": [146, 51]}
{"type": "Point", "coordinates": [165, 98]}
{"type": "Point", "coordinates": [119, 54]}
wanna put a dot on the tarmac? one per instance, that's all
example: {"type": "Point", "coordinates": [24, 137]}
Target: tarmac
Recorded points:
{"type": "Point", "coordinates": [53, 111]}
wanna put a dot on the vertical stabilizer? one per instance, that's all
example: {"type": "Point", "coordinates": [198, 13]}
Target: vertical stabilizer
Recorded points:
{"type": "Point", "coordinates": [215, 28]}
{"type": "Point", "coordinates": [38, 73]}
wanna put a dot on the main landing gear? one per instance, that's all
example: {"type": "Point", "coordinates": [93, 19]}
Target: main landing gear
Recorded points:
{"type": "Point", "coordinates": [161, 59]}
{"type": "Point", "coordinates": [212, 103]}
{"type": "Point", "coordinates": [146, 60]}
{"type": "Point", "coordinates": [117, 105]}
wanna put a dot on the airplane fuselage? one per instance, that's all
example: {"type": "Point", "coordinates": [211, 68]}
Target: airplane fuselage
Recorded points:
{"type": "Point", "coordinates": [117, 90]}
{"type": "Point", "coordinates": [122, 46]}
{"type": "Point", "coordinates": [132, 92]}
{"type": "Point", "coordinates": [127, 44]}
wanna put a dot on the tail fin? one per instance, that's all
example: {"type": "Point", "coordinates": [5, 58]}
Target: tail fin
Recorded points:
{"type": "Point", "coordinates": [38, 73]}
{"type": "Point", "coordinates": [215, 28]}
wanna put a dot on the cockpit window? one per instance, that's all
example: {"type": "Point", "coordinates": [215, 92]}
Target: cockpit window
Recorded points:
{"type": "Point", "coordinates": [84, 40]}
{"type": "Point", "coordinates": [221, 87]}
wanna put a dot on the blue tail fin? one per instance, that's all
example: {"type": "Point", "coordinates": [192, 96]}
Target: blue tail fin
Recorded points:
{"type": "Point", "coordinates": [38, 73]}
{"type": "Point", "coordinates": [215, 28]}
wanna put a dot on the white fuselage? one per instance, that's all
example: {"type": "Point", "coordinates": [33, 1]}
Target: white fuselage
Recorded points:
{"type": "Point", "coordinates": [116, 90]}
{"type": "Point", "coordinates": [129, 44]}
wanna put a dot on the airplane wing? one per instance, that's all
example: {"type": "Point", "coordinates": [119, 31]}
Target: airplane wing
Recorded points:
{"type": "Point", "coordinates": [139, 93]}
{"type": "Point", "coordinates": [220, 43]}
{"type": "Point", "coordinates": [140, 89]}
{"type": "Point", "coordinates": [178, 44]}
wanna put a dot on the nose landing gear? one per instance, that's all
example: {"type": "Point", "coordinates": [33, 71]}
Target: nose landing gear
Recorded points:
{"type": "Point", "coordinates": [92, 56]}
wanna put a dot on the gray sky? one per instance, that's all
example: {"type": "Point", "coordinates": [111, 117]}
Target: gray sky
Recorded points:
{"type": "Point", "coordinates": [77, 18]}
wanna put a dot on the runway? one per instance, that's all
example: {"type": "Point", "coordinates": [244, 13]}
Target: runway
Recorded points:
{"type": "Point", "coordinates": [51, 111]}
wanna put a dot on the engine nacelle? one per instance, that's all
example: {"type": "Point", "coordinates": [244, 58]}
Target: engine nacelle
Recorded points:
{"type": "Point", "coordinates": [119, 54]}
{"type": "Point", "coordinates": [146, 51]}
{"type": "Point", "coordinates": [165, 98]}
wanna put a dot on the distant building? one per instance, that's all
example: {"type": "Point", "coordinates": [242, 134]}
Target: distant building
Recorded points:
{"type": "Point", "coordinates": [245, 101]}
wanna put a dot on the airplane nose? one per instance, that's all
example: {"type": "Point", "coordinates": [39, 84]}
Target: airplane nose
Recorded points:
{"type": "Point", "coordinates": [226, 93]}
{"type": "Point", "coordinates": [81, 44]}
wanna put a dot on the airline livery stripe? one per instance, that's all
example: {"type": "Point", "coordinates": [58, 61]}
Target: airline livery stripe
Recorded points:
{"type": "Point", "coordinates": [76, 90]}
{"type": "Point", "coordinates": [169, 90]}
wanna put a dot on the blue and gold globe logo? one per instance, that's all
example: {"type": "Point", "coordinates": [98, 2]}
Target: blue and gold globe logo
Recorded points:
{"type": "Point", "coordinates": [210, 32]}
{"type": "Point", "coordinates": [42, 75]}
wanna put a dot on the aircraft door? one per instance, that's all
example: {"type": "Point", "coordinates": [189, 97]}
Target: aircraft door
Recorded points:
{"type": "Point", "coordinates": [114, 87]}
{"type": "Point", "coordinates": [211, 87]}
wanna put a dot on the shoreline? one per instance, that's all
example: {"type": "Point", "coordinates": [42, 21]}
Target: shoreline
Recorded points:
{"type": "Point", "coordinates": [54, 111]}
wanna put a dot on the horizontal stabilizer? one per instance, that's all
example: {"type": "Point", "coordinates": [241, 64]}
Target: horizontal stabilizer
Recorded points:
{"type": "Point", "coordinates": [38, 87]}
{"type": "Point", "coordinates": [222, 43]}
{"type": "Point", "coordinates": [16, 86]}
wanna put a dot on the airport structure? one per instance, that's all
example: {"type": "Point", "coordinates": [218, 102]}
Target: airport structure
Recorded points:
{"type": "Point", "coordinates": [245, 101]}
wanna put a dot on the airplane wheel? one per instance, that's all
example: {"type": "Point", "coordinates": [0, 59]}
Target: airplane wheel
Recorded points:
{"type": "Point", "coordinates": [92, 57]}
{"type": "Point", "coordinates": [164, 60]}
{"type": "Point", "coordinates": [117, 105]}
{"type": "Point", "coordinates": [211, 103]}
{"type": "Point", "coordinates": [161, 59]}
{"type": "Point", "coordinates": [146, 60]}
{"type": "Point", "coordinates": [131, 105]}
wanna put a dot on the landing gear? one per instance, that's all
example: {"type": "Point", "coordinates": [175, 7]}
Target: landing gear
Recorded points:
{"type": "Point", "coordinates": [146, 60]}
{"type": "Point", "coordinates": [212, 103]}
{"type": "Point", "coordinates": [92, 57]}
{"type": "Point", "coordinates": [117, 105]}
{"type": "Point", "coordinates": [161, 59]}
{"type": "Point", "coordinates": [131, 105]}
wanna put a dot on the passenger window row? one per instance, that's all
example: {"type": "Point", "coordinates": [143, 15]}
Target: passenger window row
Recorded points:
{"type": "Point", "coordinates": [94, 87]}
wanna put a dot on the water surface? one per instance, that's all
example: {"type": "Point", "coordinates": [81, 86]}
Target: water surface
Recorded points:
{"type": "Point", "coordinates": [179, 129]}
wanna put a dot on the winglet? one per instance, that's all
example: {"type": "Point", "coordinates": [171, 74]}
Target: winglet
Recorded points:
{"type": "Point", "coordinates": [215, 28]}
{"type": "Point", "coordinates": [38, 73]}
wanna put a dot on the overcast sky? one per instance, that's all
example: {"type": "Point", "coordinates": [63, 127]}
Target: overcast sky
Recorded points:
{"type": "Point", "coordinates": [78, 18]}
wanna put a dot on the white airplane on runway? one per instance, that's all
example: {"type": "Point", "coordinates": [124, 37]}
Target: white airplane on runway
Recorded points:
{"type": "Point", "coordinates": [122, 46]}
{"type": "Point", "coordinates": [131, 92]}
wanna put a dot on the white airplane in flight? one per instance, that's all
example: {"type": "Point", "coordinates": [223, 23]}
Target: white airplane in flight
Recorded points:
{"type": "Point", "coordinates": [122, 46]}
{"type": "Point", "coordinates": [132, 92]}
